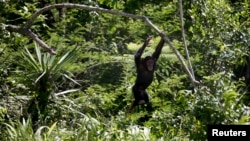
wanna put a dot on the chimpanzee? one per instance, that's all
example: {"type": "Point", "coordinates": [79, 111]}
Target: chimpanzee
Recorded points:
{"type": "Point", "coordinates": [145, 68]}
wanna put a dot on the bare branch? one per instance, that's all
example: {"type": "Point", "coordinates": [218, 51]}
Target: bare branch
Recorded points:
{"type": "Point", "coordinates": [179, 56]}
{"type": "Point", "coordinates": [80, 6]}
{"type": "Point", "coordinates": [184, 40]}
{"type": "Point", "coordinates": [91, 8]}
{"type": "Point", "coordinates": [27, 32]}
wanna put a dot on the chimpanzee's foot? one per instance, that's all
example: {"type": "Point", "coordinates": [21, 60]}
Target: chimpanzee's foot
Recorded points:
{"type": "Point", "coordinates": [141, 102]}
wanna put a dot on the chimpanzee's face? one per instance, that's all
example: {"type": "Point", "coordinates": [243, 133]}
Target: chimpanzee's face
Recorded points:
{"type": "Point", "coordinates": [150, 64]}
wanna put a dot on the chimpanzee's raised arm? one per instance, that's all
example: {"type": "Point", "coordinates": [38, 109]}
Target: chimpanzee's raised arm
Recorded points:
{"type": "Point", "coordinates": [140, 51]}
{"type": "Point", "coordinates": [158, 49]}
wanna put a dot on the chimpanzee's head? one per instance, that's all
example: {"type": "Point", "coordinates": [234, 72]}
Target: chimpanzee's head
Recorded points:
{"type": "Point", "coordinates": [149, 63]}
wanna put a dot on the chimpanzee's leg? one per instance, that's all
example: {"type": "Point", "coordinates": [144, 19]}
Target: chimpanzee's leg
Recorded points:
{"type": "Point", "coordinates": [141, 97]}
{"type": "Point", "coordinates": [146, 98]}
{"type": "Point", "coordinates": [136, 93]}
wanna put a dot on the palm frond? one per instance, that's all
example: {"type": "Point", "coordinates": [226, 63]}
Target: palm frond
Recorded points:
{"type": "Point", "coordinates": [38, 53]}
{"type": "Point", "coordinates": [31, 60]}
{"type": "Point", "coordinates": [66, 58]}
{"type": "Point", "coordinates": [38, 78]}
{"type": "Point", "coordinates": [67, 91]}
{"type": "Point", "coordinates": [71, 79]}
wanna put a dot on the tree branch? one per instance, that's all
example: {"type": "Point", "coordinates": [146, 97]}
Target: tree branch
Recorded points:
{"type": "Point", "coordinates": [80, 6]}
{"type": "Point", "coordinates": [91, 8]}
{"type": "Point", "coordinates": [27, 32]}
{"type": "Point", "coordinates": [179, 56]}
{"type": "Point", "coordinates": [184, 39]}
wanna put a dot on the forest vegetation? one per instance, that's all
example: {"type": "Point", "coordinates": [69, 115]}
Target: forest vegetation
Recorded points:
{"type": "Point", "coordinates": [67, 74]}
